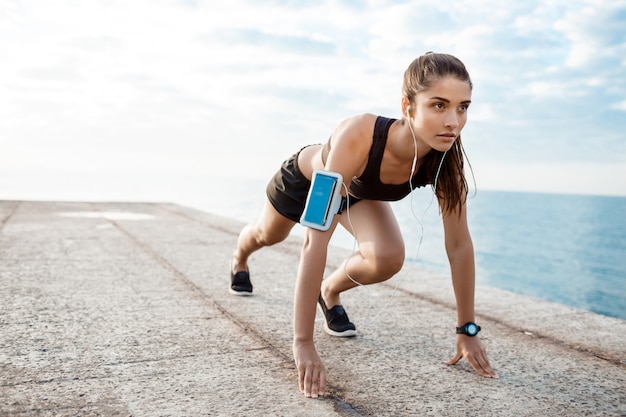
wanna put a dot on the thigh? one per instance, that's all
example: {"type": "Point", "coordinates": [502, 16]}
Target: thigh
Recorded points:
{"type": "Point", "coordinates": [375, 228]}
{"type": "Point", "coordinates": [272, 226]}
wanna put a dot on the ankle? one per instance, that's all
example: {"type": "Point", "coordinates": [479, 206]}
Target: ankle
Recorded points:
{"type": "Point", "coordinates": [331, 298]}
{"type": "Point", "coordinates": [238, 265]}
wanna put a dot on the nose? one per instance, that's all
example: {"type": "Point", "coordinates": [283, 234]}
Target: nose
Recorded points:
{"type": "Point", "coordinates": [451, 120]}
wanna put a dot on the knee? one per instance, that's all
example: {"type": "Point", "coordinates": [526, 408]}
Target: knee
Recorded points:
{"type": "Point", "coordinates": [388, 263]}
{"type": "Point", "coordinates": [266, 237]}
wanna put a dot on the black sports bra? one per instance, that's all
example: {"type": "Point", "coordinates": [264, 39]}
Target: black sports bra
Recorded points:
{"type": "Point", "coordinates": [368, 186]}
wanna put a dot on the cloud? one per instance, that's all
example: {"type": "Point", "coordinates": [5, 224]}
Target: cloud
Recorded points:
{"type": "Point", "coordinates": [595, 32]}
{"type": "Point", "coordinates": [558, 176]}
{"type": "Point", "coordinates": [620, 106]}
{"type": "Point", "coordinates": [276, 43]}
{"type": "Point", "coordinates": [202, 86]}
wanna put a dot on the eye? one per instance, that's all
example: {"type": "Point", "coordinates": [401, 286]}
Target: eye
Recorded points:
{"type": "Point", "coordinates": [438, 106]}
{"type": "Point", "coordinates": [463, 107]}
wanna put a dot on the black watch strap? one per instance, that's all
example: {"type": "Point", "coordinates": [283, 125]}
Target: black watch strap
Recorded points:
{"type": "Point", "coordinates": [469, 328]}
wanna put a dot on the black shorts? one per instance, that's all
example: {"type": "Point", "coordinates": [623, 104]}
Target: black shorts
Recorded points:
{"type": "Point", "coordinates": [288, 189]}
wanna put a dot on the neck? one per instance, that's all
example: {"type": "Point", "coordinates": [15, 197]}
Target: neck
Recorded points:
{"type": "Point", "coordinates": [407, 141]}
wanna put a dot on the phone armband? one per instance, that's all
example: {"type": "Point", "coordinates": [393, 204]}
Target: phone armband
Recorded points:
{"type": "Point", "coordinates": [323, 200]}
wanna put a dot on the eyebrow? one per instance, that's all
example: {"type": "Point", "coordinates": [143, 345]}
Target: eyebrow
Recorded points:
{"type": "Point", "coordinates": [448, 101]}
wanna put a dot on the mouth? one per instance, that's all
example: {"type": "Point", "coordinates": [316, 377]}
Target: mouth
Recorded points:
{"type": "Point", "coordinates": [447, 137]}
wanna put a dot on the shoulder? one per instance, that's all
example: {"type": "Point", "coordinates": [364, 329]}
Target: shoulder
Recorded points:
{"type": "Point", "coordinates": [358, 121]}
{"type": "Point", "coordinates": [350, 145]}
{"type": "Point", "coordinates": [356, 130]}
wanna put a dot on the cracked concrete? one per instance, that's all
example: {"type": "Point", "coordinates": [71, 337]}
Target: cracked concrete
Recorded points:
{"type": "Point", "coordinates": [123, 309]}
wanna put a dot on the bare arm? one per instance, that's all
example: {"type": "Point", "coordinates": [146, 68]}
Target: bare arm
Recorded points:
{"type": "Point", "coordinates": [311, 372]}
{"type": "Point", "coordinates": [460, 250]}
{"type": "Point", "coordinates": [349, 149]}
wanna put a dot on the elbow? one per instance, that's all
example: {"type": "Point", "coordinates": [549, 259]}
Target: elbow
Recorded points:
{"type": "Point", "coordinates": [460, 250]}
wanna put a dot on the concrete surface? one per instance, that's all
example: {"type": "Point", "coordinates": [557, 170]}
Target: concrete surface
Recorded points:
{"type": "Point", "coordinates": [123, 309]}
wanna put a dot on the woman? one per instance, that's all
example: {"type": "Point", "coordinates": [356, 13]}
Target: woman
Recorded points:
{"type": "Point", "coordinates": [378, 156]}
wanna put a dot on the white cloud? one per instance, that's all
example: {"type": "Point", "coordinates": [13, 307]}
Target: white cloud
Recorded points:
{"type": "Point", "coordinates": [173, 88]}
{"type": "Point", "coordinates": [556, 177]}
{"type": "Point", "coordinates": [591, 30]}
{"type": "Point", "coordinates": [620, 106]}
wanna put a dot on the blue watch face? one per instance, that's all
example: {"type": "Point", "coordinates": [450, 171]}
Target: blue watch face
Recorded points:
{"type": "Point", "coordinates": [472, 329]}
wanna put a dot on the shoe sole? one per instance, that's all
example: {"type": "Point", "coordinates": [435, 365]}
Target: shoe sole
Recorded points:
{"type": "Point", "coordinates": [347, 333]}
{"type": "Point", "coordinates": [240, 293]}
{"type": "Point", "coordinates": [328, 330]}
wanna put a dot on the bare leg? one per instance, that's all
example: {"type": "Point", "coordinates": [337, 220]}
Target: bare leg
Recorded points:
{"type": "Point", "coordinates": [380, 253]}
{"type": "Point", "coordinates": [270, 228]}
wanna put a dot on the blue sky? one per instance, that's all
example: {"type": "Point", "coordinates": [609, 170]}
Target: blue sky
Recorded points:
{"type": "Point", "coordinates": [143, 99]}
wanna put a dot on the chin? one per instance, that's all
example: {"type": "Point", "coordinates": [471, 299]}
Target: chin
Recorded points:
{"type": "Point", "coordinates": [443, 147]}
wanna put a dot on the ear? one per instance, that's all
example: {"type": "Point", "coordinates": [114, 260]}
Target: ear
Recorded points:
{"type": "Point", "coordinates": [406, 104]}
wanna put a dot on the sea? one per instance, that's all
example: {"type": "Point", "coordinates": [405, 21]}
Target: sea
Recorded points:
{"type": "Point", "coordinates": [569, 249]}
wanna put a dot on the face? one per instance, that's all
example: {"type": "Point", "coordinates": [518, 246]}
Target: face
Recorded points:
{"type": "Point", "coordinates": [440, 113]}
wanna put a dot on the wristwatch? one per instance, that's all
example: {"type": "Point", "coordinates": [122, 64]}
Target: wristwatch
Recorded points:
{"type": "Point", "coordinates": [471, 329]}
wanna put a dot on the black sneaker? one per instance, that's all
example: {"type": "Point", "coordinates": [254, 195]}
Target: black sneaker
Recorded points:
{"type": "Point", "coordinates": [336, 321]}
{"type": "Point", "coordinates": [240, 283]}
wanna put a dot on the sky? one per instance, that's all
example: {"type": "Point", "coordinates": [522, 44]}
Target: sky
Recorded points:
{"type": "Point", "coordinates": [160, 99]}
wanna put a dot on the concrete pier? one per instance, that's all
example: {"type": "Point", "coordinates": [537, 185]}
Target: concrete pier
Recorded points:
{"type": "Point", "coordinates": [123, 309]}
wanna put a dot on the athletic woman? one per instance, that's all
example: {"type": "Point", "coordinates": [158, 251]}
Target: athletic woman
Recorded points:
{"type": "Point", "coordinates": [381, 160]}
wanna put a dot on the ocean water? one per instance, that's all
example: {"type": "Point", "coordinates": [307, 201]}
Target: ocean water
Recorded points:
{"type": "Point", "coordinates": [564, 248]}
{"type": "Point", "coordinates": [569, 249]}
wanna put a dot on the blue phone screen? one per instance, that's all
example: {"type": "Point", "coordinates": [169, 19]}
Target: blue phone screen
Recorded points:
{"type": "Point", "coordinates": [319, 200]}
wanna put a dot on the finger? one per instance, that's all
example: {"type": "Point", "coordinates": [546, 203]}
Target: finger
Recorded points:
{"type": "Point", "coordinates": [484, 363]}
{"type": "Point", "coordinates": [315, 388]}
{"type": "Point", "coordinates": [322, 386]}
{"type": "Point", "coordinates": [301, 380]}
{"type": "Point", "coordinates": [475, 363]}
{"type": "Point", "coordinates": [307, 384]}
{"type": "Point", "coordinates": [310, 380]}
{"type": "Point", "coordinates": [455, 360]}
{"type": "Point", "coordinates": [480, 363]}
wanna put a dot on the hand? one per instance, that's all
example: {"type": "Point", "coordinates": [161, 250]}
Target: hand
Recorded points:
{"type": "Point", "coordinates": [311, 372]}
{"type": "Point", "coordinates": [473, 351]}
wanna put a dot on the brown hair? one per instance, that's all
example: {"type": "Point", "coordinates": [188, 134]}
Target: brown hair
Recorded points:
{"type": "Point", "coordinates": [451, 185]}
